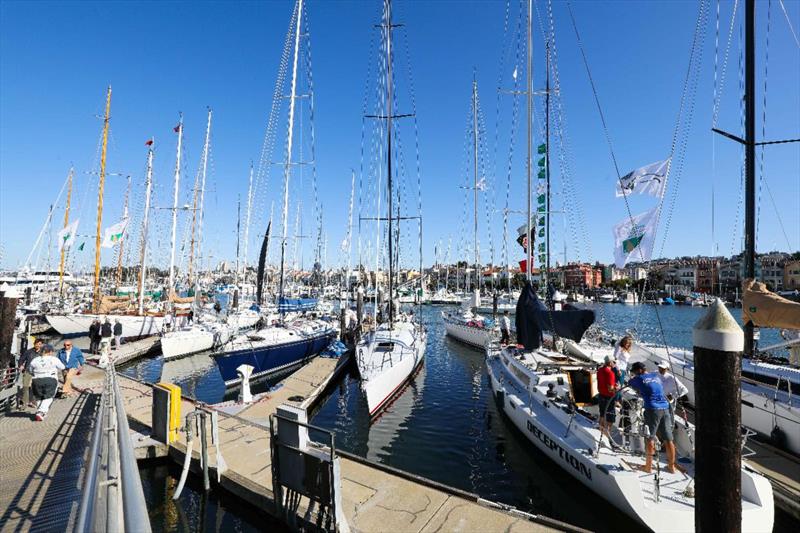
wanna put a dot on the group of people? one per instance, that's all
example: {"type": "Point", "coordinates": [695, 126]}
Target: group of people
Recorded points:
{"type": "Point", "coordinates": [42, 369]}
{"type": "Point", "coordinates": [660, 392]}
{"type": "Point", "coordinates": [103, 332]}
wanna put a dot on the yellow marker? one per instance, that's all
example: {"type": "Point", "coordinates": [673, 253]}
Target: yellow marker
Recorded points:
{"type": "Point", "coordinates": [174, 410]}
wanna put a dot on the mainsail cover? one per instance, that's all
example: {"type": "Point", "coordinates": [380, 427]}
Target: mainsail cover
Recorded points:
{"type": "Point", "coordinates": [766, 309]}
{"type": "Point", "coordinates": [533, 317]}
{"type": "Point", "coordinates": [261, 260]}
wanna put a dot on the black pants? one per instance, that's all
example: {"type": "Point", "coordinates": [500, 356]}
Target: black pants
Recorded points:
{"type": "Point", "coordinates": [504, 336]}
{"type": "Point", "coordinates": [94, 345]}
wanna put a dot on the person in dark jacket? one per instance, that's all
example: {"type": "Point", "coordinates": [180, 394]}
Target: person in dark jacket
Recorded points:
{"type": "Point", "coordinates": [94, 337]}
{"type": "Point", "coordinates": [117, 334]}
{"type": "Point", "coordinates": [24, 361]}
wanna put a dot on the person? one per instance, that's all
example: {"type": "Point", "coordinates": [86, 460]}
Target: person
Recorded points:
{"type": "Point", "coordinates": [94, 337]}
{"type": "Point", "coordinates": [167, 323]}
{"type": "Point", "coordinates": [191, 316]}
{"type": "Point", "coordinates": [505, 328]}
{"type": "Point", "coordinates": [117, 334]}
{"type": "Point", "coordinates": [106, 332]}
{"type": "Point", "coordinates": [607, 386]}
{"type": "Point", "coordinates": [673, 388]}
{"type": "Point", "coordinates": [24, 361]}
{"type": "Point", "coordinates": [217, 307]}
{"type": "Point", "coordinates": [656, 415]}
{"type": "Point", "coordinates": [44, 369]}
{"type": "Point", "coordinates": [494, 304]}
{"type": "Point", "coordinates": [622, 353]}
{"type": "Point", "coordinates": [72, 359]}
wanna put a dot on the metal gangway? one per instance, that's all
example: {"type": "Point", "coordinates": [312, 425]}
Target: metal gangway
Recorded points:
{"type": "Point", "coordinates": [113, 499]}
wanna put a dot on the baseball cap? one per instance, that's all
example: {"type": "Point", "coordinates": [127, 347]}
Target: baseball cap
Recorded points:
{"type": "Point", "coordinates": [664, 365]}
{"type": "Point", "coordinates": [610, 358]}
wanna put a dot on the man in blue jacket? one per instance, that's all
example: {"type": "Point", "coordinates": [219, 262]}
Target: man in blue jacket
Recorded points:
{"type": "Point", "coordinates": [656, 414]}
{"type": "Point", "coordinates": [73, 360]}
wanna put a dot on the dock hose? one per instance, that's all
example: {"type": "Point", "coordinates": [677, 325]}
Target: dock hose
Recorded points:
{"type": "Point", "coordinates": [187, 459]}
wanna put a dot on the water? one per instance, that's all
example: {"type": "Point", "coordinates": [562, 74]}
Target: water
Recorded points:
{"type": "Point", "coordinates": [445, 425]}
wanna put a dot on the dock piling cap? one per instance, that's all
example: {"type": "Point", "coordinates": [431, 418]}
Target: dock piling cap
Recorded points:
{"type": "Point", "coordinates": [718, 330]}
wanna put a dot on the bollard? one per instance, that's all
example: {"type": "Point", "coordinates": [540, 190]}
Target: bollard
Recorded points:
{"type": "Point", "coordinates": [718, 344]}
{"type": "Point", "coordinates": [244, 372]}
{"type": "Point", "coordinates": [8, 315]}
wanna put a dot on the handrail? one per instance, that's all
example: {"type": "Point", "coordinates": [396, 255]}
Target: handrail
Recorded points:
{"type": "Point", "coordinates": [112, 485]}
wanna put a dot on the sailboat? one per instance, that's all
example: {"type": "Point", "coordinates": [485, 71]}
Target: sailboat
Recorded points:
{"type": "Point", "coordinates": [389, 355]}
{"type": "Point", "coordinates": [290, 340]}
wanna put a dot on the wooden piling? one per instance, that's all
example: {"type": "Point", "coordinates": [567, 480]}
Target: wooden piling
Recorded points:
{"type": "Point", "coordinates": [718, 345]}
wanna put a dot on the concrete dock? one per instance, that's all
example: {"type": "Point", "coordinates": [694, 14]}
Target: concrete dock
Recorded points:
{"type": "Point", "coordinates": [373, 498]}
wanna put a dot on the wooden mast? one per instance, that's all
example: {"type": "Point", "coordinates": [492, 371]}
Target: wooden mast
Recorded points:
{"type": "Point", "coordinates": [66, 223]}
{"type": "Point", "coordinates": [96, 293]}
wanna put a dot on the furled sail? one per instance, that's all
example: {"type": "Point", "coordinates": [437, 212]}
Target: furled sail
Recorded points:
{"type": "Point", "coordinates": [766, 309]}
{"type": "Point", "coordinates": [262, 258]}
{"type": "Point", "coordinates": [533, 317]}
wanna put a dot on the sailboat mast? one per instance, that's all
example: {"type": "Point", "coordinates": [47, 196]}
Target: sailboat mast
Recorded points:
{"type": "Point", "coordinates": [247, 219]}
{"type": "Point", "coordinates": [203, 182]}
{"type": "Point", "coordinates": [122, 241]}
{"type": "Point", "coordinates": [176, 186]}
{"type": "Point", "coordinates": [145, 220]}
{"type": "Point", "coordinates": [389, 83]}
{"type": "Point", "coordinates": [529, 121]}
{"type": "Point", "coordinates": [66, 223]}
{"type": "Point", "coordinates": [750, 158]}
{"type": "Point", "coordinates": [288, 162]}
{"type": "Point", "coordinates": [547, 170]}
{"type": "Point", "coordinates": [475, 174]}
{"type": "Point", "coordinates": [238, 234]}
{"type": "Point", "coordinates": [100, 187]}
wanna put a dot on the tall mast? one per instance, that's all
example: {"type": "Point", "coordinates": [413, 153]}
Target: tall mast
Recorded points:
{"type": "Point", "coordinates": [389, 84]}
{"type": "Point", "coordinates": [475, 176]}
{"type": "Point", "coordinates": [529, 143]}
{"type": "Point", "coordinates": [176, 186]}
{"type": "Point", "coordinates": [288, 162]}
{"type": "Point", "coordinates": [247, 219]}
{"type": "Point", "coordinates": [96, 296]}
{"type": "Point", "coordinates": [750, 158]}
{"type": "Point", "coordinates": [66, 223]}
{"type": "Point", "coordinates": [206, 146]}
{"type": "Point", "coordinates": [145, 219]}
{"type": "Point", "coordinates": [122, 242]}
{"type": "Point", "coordinates": [238, 234]}
{"type": "Point", "coordinates": [198, 202]}
{"type": "Point", "coordinates": [547, 171]}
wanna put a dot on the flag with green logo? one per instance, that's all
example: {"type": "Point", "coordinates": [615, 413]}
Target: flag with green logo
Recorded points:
{"type": "Point", "coordinates": [634, 238]}
{"type": "Point", "coordinates": [66, 237]}
{"type": "Point", "coordinates": [114, 234]}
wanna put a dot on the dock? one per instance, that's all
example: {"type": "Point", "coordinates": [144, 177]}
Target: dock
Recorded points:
{"type": "Point", "coordinates": [783, 471]}
{"type": "Point", "coordinates": [374, 498]}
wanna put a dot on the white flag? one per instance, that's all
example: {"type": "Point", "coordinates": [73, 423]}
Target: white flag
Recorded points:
{"type": "Point", "coordinates": [66, 237]}
{"type": "Point", "coordinates": [634, 238]}
{"type": "Point", "coordinates": [645, 180]}
{"type": "Point", "coordinates": [114, 234]}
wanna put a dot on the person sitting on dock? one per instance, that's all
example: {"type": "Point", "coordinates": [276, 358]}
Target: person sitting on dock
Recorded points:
{"type": "Point", "coordinates": [72, 359]}
{"type": "Point", "coordinates": [607, 385]}
{"type": "Point", "coordinates": [23, 363]}
{"type": "Point", "coordinates": [44, 368]}
{"type": "Point", "coordinates": [94, 337]}
{"type": "Point", "coordinates": [117, 334]}
{"type": "Point", "coordinates": [622, 353]}
{"type": "Point", "coordinates": [505, 328]}
{"type": "Point", "coordinates": [673, 388]}
{"type": "Point", "coordinates": [656, 415]}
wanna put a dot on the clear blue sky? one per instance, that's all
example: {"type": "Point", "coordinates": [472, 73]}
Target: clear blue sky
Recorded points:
{"type": "Point", "coordinates": [56, 59]}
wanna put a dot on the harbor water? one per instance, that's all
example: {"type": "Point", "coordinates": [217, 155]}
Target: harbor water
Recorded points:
{"type": "Point", "coordinates": [445, 425]}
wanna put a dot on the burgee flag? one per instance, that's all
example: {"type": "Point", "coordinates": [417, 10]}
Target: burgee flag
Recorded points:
{"type": "Point", "coordinates": [645, 180]}
{"type": "Point", "coordinates": [114, 234]}
{"type": "Point", "coordinates": [66, 237]}
{"type": "Point", "coordinates": [634, 238]}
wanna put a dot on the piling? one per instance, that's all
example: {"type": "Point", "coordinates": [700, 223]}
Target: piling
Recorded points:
{"type": "Point", "coordinates": [8, 314]}
{"type": "Point", "coordinates": [360, 305]}
{"type": "Point", "coordinates": [718, 344]}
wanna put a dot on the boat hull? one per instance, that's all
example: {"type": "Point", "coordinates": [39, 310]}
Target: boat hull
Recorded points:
{"type": "Point", "coordinates": [477, 337]}
{"type": "Point", "coordinates": [179, 343]}
{"type": "Point", "coordinates": [133, 326]}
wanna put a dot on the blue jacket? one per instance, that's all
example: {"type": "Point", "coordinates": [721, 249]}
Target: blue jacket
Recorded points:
{"type": "Point", "coordinates": [75, 358]}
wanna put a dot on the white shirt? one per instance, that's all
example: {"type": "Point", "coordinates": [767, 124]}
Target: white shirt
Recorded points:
{"type": "Point", "coordinates": [45, 366]}
{"type": "Point", "coordinates": [505, 323]}
{"type": "Point", "coordinates": [622, 357]}
{"type": "Point", "coordinates": [672, 385]}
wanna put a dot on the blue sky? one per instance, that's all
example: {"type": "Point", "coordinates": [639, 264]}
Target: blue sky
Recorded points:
{"type": "Point", "coordinates": [56, 59]}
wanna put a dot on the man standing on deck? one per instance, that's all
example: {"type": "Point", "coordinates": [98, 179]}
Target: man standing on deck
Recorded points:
{"type": "Point", "coordinates": [673, 388]}
{"type": "Point", "coordinates": [94, 336]}
{"type": "Point", "coordinates": [505, 328]}
{"type": "Point", "coordinates": [656, 415]}
{"type": "Point", "coordinates": [117, 333]}
{"type": "Point", "coordinates": [44, 368]}
{"type": "Point", "coordinates": [608, 386]}
{"type": "Point", "coordinates": [25, 361]}
{"type": "Point", "coordinates": [72, 359]}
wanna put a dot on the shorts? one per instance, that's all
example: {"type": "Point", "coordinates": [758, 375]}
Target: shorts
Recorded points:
{"type": "Point", "coordinates": [659, 422]}
{"type": "Point", "coordinates": [607, 406]}
{"type": "Point", "coordinates": [44, 388]}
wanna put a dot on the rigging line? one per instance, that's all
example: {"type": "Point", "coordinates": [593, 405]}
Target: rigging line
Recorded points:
{"type": "Point", "coordinates": [789, 22]}
{"type": "Point", "coordinates": [723, 74]}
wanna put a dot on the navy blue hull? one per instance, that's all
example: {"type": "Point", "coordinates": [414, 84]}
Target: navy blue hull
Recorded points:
{"type": "Point", "coordinates": [271, 359]}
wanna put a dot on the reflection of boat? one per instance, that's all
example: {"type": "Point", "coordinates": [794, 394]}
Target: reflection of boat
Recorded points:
{"type": "Point", "coordinates": [386, 429]}
{"type": "Point", "coordinates": [178, 370]}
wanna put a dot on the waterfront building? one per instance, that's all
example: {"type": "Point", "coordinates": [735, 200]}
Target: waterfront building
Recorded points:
{"type": "Point", "coordinates": [791, 275]}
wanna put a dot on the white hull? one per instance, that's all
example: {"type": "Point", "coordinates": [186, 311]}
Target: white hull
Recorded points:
{"type": "Point", "coordinates": [387, 359]}
{"type": "Point", "coordinates": [184, 342]}
{"type": "Point", "coordinates": [133, 326]}
{"type": "Point", "coordinates": [474, 336]}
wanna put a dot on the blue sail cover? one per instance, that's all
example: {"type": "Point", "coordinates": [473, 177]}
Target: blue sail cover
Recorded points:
{"type": "Point", "coordinates": [294, 305]}
{"type": "Point", "coordinates": [533, 318]}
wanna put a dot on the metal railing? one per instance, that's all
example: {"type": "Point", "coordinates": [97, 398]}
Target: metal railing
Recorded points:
{"type": "Point", "coordinates": [113, 499]}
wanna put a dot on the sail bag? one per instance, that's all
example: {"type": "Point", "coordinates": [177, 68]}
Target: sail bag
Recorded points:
{"type": "Point", "coordinates": [766, 309]}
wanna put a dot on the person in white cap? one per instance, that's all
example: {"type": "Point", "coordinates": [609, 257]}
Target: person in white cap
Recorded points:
{"type": "Point", "coordinates": [673, 388]}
